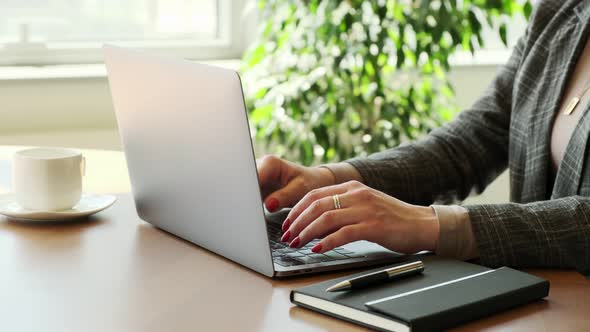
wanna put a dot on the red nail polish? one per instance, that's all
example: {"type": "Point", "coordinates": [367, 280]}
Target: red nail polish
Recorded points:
{"type": "Point", "coordinates": [286, 224]}
{"type": "Point", "coordinates": [317, 248]}
{"type": "Point", "coordinates": [272, 204]}
{"type": "Point", "coordinates": [295, 243]}
{"type": "Point", "coordinates": [286, 236]}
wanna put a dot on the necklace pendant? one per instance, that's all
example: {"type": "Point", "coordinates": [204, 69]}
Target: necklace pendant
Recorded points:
{"type": "Point", "coordinates": [571, 106]}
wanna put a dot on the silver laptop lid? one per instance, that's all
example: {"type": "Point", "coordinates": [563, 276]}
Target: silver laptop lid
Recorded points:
{"type": "Point", "coordinates": [186, 138]}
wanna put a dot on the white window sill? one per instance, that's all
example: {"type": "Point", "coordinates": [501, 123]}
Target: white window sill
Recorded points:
{"type": "Point", "coordinates": [24, 73]}
{"type": "Point", "coordinates": [18, 73]}
{"type": "Point", "coordinates": [480, 58]}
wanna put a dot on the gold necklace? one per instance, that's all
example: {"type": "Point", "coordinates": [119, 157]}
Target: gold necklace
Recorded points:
{"type": "Point", "coordinates": [571, 107]}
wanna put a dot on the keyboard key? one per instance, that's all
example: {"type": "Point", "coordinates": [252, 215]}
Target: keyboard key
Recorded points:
{"type": "Point", "coordinates": [286, 261]}
{"type": "Point", "coordinates": [311, 243]}
{"type": "Point", "coordinates": [320, 257]}
{"type": "Point", "coordinates": [307, 260]}
{"type": "Point", "coordinates": [343, 251]}
{"type": "Point", "coordinates": [294, 254]}
{"type": "Point", "coordinates": [275, 236]}
{"type": "Point", "coordinates": [275, 245]}
{"type": "Point", "coordinates": [334, 255]}
{"type": "Point", "coordinates": [273, 226]}
{"type": "Point", "coordinates": [305, 251]}
{"type": "Point", "coordinates": [285, 250]}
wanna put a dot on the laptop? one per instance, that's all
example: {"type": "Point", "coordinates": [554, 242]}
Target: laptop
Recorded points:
{"type": "Point", "coordinates": [187, 141]}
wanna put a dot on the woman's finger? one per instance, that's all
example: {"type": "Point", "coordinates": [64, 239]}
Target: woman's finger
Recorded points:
{"type": "Point", "coordinates": [344, 235]}
{"type": "Point", "coordinates": [291, 230]}
{"type": "Point", "coordinates": [269, 174]}
{"type": "Point", "coordinates": [286, 196]}
{"type": "Point", "coordinates": [310, 198]}
{"type": "Point", "coordinates": [311, 213]}
{"type": "Point", "coordinates": [331, 221]}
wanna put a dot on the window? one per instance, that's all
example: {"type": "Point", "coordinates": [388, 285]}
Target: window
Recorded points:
{"type": "Point", "coordinates": [37, 32]}
{"type": "Point", "coordinates": [494, 52]}
{"type": "Point", "coordinates": [516, 27]}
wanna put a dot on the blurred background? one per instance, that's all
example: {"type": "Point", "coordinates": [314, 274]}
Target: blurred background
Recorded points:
{"type": "Point", "coordinates": [324, 80]}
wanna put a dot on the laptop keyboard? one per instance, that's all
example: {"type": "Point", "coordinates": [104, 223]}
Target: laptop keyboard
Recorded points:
{"type": "Point", "coordinates": [283, 255]}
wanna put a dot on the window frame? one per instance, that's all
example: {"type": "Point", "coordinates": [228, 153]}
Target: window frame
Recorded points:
{"type": "Point", "coordinates": [230, 44]}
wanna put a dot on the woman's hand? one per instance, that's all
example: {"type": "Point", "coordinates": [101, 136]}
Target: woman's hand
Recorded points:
{"type": "Point", "coordinates": [365, 214]}
{"type": "Point", "coordinates": [284, 183]}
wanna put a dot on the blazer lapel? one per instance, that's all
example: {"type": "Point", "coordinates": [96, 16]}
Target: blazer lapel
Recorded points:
{"type": "Point", "coordinates": [539, 133]}
{"type": "Point", "coordinates": [562, 64]}
{"type": "Point", "coordinates": [569, 174]}
{"type": "Point", "coordinates": [569, 180]}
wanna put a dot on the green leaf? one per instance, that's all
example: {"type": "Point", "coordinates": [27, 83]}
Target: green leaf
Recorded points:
{"type": "Point", "coordinates": [313, 7]}
{"type": "Point", "coordinates": [474, 22]}
{"type": "Point", "coordinates": [401, 58]}
{"type": "Point", "coordinates": [381, 60]}
{"type": "Point", "coordinates": [283, 38]}
{"type": "Point", "coordinates": [447, 91]}
{"type": "Point", "coordinates": [321, 134]}
{"type": "Point", "coordinates": [503, 34]}
{"type": "Point", "coordinates": [306, 153]}
{"type": "Point", "coordinates": [256, 56]}
{"type": "Point", "coordinates": [369, 68]}
{"type": "Point", "coordinates": [260, 93]}
{"type": "Point", "coordinates": [528, 9]}
{"type": "Point", "coordinates": [330, 154]}
{"type": "Point", "coordinates": [261, 113]}
{"type": "Point", "coordinates": [261, 4]}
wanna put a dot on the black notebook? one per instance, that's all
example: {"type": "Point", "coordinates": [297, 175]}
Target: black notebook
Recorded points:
{"type": "Point", "coordinates": [447, 293]}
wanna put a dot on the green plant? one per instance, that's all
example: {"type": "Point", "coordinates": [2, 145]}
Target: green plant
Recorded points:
{"type": "Point", "coordinates": [331, 79]}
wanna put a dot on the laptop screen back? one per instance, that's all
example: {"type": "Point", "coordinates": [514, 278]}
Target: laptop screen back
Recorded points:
{"type": "Point", "coordinates": [187, 143]}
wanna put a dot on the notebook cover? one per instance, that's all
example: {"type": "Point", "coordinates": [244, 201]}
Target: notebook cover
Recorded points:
{"type": "Point", "coordinates": [448, 305]}
{"type": "Point", "coordinates": [437, 270]}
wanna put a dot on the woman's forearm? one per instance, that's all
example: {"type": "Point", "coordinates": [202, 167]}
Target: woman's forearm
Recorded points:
{"type": "Point", "coordinates": [553, 233]}
{"type": "Point", "coordinates": [343, 172]}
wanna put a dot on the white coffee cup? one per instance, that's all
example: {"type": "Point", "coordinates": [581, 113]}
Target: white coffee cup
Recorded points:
{"type": "Point", "coordinates": [48, 179]}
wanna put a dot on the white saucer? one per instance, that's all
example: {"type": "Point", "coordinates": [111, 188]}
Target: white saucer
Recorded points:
{"type": "Point", "coordinates": [88, 205]}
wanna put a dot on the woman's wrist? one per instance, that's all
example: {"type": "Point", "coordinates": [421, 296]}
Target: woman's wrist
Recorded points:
{"type": "Point", "coordinates": [327, 177]}
{"type": "Point", "coordinates": [343, 172]}
{"type": "Point", "coordinates": [430, 228]}
{"type": "Point", "coordinates": [456, 237]}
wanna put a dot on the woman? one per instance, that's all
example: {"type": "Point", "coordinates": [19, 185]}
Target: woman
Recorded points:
{"type": "Point", "coordinates": [533, 119]}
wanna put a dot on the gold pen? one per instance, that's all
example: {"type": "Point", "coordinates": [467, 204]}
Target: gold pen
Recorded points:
{"type": "Point", "coordinates": [391, 273]}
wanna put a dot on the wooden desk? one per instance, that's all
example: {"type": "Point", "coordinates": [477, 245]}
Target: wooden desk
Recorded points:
{"type": "Point", "coordinates": [117, 273]}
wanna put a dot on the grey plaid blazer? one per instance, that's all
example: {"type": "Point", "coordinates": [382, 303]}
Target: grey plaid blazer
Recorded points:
{"type": "Point", "coordinates": [510, 126]}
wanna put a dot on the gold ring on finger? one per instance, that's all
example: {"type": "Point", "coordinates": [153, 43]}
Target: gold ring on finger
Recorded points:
{"type": "Point", "coordinates": [336, 200]}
